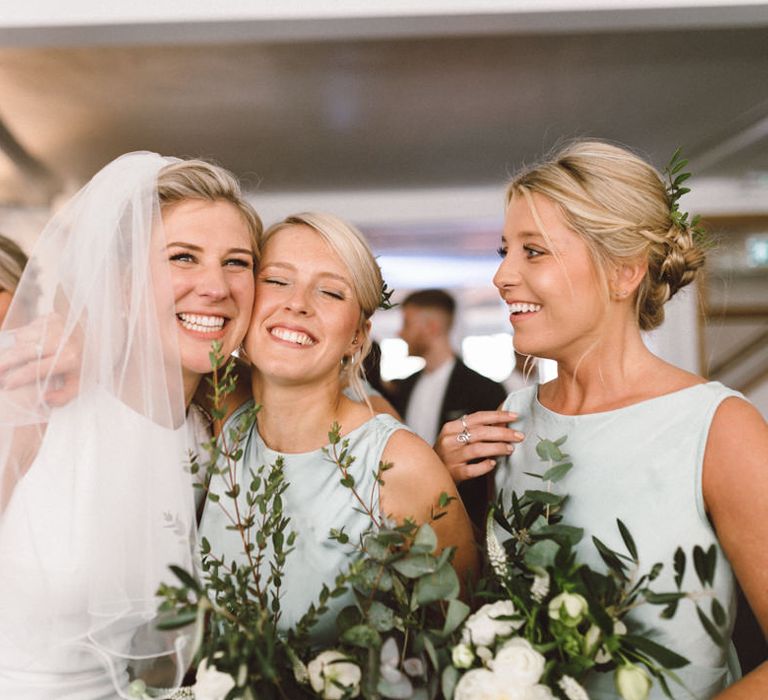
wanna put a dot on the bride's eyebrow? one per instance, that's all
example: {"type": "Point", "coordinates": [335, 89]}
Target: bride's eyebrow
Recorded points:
{"type": "Point", "coordinates": [182, 244]}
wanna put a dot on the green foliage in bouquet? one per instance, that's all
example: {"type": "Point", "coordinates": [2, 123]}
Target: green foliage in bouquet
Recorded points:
{"type": "Point", "coordinates": [398, 632]}
{"type": "Point", "coordinates": [236, 606]}
{"type": "Point", "coordinates": [393, 640]}
{"type": "Point", "coordinates": [561, 619]}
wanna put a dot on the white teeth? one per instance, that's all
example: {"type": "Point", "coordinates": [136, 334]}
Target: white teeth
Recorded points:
{"type": "Point", "coordinates": [202, 324]}
{"type": "Point", "coordinates": [522, 308]}
{"type": "Point", "coordinates": [292, 336]}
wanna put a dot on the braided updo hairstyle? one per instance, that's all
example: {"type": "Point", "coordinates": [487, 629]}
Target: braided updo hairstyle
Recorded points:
{"type": "Point", "coordinates": [618, 204]}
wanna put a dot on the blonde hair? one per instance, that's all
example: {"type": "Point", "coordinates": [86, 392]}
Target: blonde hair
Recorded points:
{"type": "Point", "coordinates": [198, 179]}
{"type": "Point", "coordinates": [619, 205]}
{"type": "Point", "coordinates": [350, 245]}
{"type": "Point", "coordinates": [12, 263]}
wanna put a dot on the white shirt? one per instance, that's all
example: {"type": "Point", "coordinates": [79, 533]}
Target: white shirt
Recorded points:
{"type": "Point", "coordinates": [423, 412]}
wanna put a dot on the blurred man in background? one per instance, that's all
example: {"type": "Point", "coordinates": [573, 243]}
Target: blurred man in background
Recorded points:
{"type": "Point", "coordinates": [446, 388]}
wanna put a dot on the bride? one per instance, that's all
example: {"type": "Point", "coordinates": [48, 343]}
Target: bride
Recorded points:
{"type": "Point", "coordinates": [151, 261]}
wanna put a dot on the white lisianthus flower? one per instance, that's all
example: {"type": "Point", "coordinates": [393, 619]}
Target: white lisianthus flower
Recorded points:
{"type": "Point", "coordinates": [572, 689]}
{"type": "Point", "coordinates": [632, 682]}
{"type": "Point", "coordinates": [462, 656]}
{"type": "Point", "coordinates": [568, 608]}
{"type": "Point", "coordinates": [540, 587]}
{"type": "Point", "coordinates": [603, 656]}
{"type": "Point", "coordinates": [482, 628]}
{"type": "Point", "coordinates": [592, 639]}
{"type": "Point", "coordinates": [210, 683]}
{"type": "Point", "coordinates": [518, 663]}
{"type": "Point", "coordinates": [330, 668]}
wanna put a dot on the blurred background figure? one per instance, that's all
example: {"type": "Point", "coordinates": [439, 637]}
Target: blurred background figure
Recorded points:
{"type": "Point", "coordinates": [446, 388]}
{"type": "Point", "coordinates": [12, 263]}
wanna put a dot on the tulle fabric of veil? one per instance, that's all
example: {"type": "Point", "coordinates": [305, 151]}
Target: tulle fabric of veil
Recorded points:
{"type": "Point", "coordinates": [95, 500]}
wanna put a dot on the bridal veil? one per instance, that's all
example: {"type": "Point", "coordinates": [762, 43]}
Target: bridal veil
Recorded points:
{"type": "Point", "coordinates": [95, 500]}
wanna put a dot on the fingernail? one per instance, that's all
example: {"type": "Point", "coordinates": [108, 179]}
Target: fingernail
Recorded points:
{"type": "Point", "coordinates": [493, 462]}
{"type": "Point", "coordinates": [519, 436]}
{"type": "Point", "coordinates": [510, 448]}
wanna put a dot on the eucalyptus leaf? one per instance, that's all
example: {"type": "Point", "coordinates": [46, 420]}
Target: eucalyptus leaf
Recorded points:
{"type": "Point", "coordinates": [442, 584]}
{"type": "Point", "coordinates": [425, 538]}
{"type": "Point", "coordinates": [362, 635]}
{"type": "Point", "coordinates": [542, 554]}
{"type": "Point", "coordinates": [548, 450]}
{"type": "Point", "coordinates": [455, 616]}
{"type": "Point", "coordinates": [448, 680]}
{"type": "Point", "coordinates": [557, 472]}
{"type": "Point", "coordinates": [380, 617]}
{"type": "Point", "coordinates": [396, 689]}
{"type": "Point", "coordinates": [572, 534]}
{"type": "Point", "coordinates": [415, 565]}
{"type": "Point", "coordinates": [376, 549]}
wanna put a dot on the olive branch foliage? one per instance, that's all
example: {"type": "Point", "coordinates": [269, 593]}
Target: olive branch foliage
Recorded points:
{"type": "Point", "coordinates": [404, 610]}
{"type": "Point", "coordinates": [404, 616]}
{"type": "Point", "coordinates": [541, 545]}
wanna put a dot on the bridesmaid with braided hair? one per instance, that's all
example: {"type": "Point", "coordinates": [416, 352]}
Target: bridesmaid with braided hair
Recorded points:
{"type": "Point", "coordinates": [594, 245]}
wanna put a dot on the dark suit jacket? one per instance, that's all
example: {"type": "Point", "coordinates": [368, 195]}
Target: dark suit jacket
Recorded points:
{"type": "Point", "coordinates": [467, 392]}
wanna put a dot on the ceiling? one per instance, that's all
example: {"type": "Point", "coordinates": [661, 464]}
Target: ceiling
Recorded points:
{"type": "Point", "coordinates": [383, 113]}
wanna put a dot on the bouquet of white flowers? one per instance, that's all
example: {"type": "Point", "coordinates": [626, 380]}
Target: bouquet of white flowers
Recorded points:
{"type": "Point", "coordinates": [554, 620]}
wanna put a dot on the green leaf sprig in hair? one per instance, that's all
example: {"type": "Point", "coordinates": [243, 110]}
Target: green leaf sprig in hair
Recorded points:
{"type": "Point", "coordinates": [386, 295]}
{"type": "Point", "coordinates": [676, 176]}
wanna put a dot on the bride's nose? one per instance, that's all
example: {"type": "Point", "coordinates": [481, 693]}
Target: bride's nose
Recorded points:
{"type": "Point", "coordinates": [212, 283]}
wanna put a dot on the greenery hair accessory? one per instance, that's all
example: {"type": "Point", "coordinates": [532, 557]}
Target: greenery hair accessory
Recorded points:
{"type": "Point", "coordinates": [676, 176]}
{"type": "Point", "coordinates": [386, 295]}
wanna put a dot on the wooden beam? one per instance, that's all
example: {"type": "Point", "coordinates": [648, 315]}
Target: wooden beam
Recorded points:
{"type": "Point", "coordinates": [759, 342]}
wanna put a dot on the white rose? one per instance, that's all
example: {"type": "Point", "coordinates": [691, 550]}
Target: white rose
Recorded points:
{"type": "Point", "coordinates": [484, 654]}
{"type": "Point", "coordinates": [482, 627]}
{"type": "Point", "coordinates": [462, 656]}
{"type": "Point", "coordinates": [518, 664]}
{"type": "Point", "coordinates": [332, 667]}
{"type": "Point", "coordinates": [632, 682]}
{"type": "Point", "coordinates": [477, 684]}
{"type": "Point", "coordinates": [569, 608]}
{"type": "Point", "coordinates": [210, 683]}
{"type": "Point", "coordinates": [539, 692]}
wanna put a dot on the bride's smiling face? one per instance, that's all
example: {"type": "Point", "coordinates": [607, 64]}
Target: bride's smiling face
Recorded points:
{"type": "Point", "coordinates": [209, 252]}
{"type": "Point", "coordinates": [306, 316]}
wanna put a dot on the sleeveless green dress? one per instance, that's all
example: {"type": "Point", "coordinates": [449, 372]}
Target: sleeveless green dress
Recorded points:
{"type": "Point", "coordinates": [316, 502]}
{"type": "Point", "coordinates": [642, 464]}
